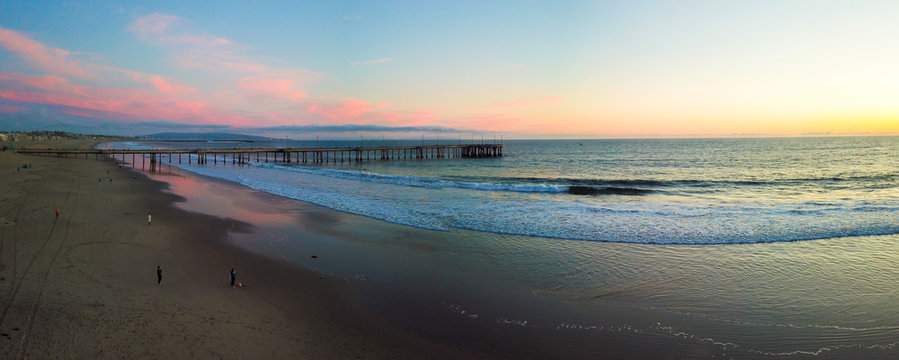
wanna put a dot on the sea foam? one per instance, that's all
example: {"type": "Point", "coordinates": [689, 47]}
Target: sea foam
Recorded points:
{"type": "Point", "coordinates": [664, 211]}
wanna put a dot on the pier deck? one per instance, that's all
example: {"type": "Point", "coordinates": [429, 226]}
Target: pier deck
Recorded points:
{"type": "Point", "coordinates": [288, 155]}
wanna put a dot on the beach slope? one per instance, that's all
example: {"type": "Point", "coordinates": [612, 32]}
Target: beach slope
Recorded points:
{"type": "Point", "coordinates": [83, 284]}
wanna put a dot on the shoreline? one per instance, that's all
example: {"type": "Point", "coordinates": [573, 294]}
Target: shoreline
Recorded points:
{"type": "Point", "coordinates": [405, 292]}
{"type": "Point", "coordinates": [473, 290]}
{"type": "Point", "coordinates": [89, 289]}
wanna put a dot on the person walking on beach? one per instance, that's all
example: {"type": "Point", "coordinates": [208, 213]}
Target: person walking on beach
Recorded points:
{"type": "Point", "coordinates": [233, 276]}
{"type": "Point", "coordinates": [149, 219]}
{"type": "Point", "coordinates": [57, 213]}
{"type": "Point", "coordinates": [159, 275]}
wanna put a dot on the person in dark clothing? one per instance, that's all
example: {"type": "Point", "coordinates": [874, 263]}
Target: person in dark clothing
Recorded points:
{"type": "Point", "coordinates": [233, 276]}
{"type": "Point", "coordinates": [159, 275]}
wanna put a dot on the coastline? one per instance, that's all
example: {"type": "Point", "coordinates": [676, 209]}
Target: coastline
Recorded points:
{"type": "Point", "coordinates": [84, 285]}
{"type": "Point", "coordinates": [394, 291]}
{"type": "Point", "coordinates": [478, 292]}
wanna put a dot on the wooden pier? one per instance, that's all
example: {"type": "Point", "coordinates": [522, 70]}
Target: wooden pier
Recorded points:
{"type": "Point", "coordinates": [286, 155]}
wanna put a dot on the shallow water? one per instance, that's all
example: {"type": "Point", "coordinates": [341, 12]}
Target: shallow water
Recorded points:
{"type": "Point", "coordinates": [714, 191]}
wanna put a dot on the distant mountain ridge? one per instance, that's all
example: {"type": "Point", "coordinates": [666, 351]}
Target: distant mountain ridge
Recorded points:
{"type": "Point", "coordinates": [203, 136]}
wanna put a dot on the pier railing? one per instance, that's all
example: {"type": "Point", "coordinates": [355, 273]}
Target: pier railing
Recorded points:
{"type": "Point", "coordinates": [287, 155]}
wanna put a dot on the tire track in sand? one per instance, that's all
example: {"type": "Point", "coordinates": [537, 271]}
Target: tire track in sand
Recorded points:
{"type": "Point", "coordinates": [19, 279]}
{"type": "Point", "coordinates": [23, 344]}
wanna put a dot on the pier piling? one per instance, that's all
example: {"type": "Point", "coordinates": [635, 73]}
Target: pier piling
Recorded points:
{"type": "Point", "coordinates": [289, 155]}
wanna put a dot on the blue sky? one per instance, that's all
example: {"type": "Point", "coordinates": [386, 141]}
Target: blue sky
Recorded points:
{"type": "Point", "coordinates": [523, 68]}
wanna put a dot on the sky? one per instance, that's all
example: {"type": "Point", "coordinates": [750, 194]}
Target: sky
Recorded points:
{"type": "Point", "coordinates": [517, 69]}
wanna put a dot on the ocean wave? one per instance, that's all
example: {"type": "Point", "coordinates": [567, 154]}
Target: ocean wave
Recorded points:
{"type": "Point", "coordinates": [591, 186]}
{"type": "Point", "coordinates": [576, 186]}
{"type": "Point", "coordinates": [591, 209]}
{"type": "Point", "coordinates": [436, 183]}
{"type": "Point", "coordinates": [645, 222]}
{"type": "Point", "coordinates": [876, 180]}
{"type": "Point", "coordinates": [589, 190]}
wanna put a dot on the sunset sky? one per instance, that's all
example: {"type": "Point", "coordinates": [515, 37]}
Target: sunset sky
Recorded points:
{"type": "Point", "coordinates": [520, 69]}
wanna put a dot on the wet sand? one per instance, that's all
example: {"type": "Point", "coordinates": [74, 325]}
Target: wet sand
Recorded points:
{"type": "Point", "coordinates": [508, 296]}
{"type": "Point", "coordinates": [84, 285]}
{"type": "Point", "coordinates": [381, 290]}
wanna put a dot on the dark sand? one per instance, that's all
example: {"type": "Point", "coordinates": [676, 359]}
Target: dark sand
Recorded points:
{"type": "Point", "coordinates": [84, 285]}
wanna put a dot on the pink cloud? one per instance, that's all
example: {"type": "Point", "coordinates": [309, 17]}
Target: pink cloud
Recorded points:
{"type": "Point", "coordinates": [168, 87]}
{"type": "Point", "coordinates": [349, 110]}
{"type": "Point", "coordinates": [141, 96]}
{"type": "Point", "coordinates": [408, 118]}
{"type": "Point", "coordinates": [49, 59]}
{"type": "Point", "coordinates": [273, 88]}
{"type": "Point", "coordinates": [110, 103]}
{"type": "Point", "coordinates": [190, 49]}
{"type": "Point", "coordinates": [355, 111]}
{"type": "Point", "coordinates": [57, 85]}
{"type": "Point", "coordinates": [45, 82]}
{"type": "Point", "coordinates": [259, 95]}
{"type": "Point", "coordinates": [214, 54]}
{"type": "Point", "coordinates": [195, 107]}
{"type": "Point", "coordinates": [6, 108]}
{"type": "Point", "coordinates": [58, 63]}
{"type": "Point", "coordinates": [277, 118]}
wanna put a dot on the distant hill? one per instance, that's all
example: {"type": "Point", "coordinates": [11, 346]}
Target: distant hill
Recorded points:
{"type": "Point", "coordinates": [173, 136]}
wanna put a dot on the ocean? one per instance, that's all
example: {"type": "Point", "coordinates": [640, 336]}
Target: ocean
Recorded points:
{"type": "Point", "coordinates": [711, 248]}
{"type": "Point", "coordinates": [719, 191]}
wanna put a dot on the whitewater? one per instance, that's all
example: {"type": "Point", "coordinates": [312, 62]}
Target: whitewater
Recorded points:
{"type": "Point", "coordinates": [679, 191]}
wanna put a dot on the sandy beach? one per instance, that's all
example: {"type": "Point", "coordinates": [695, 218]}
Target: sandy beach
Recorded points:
{"type": "Point", "coordinates": [326, 284]}
{"type": "Point", "coordinates": [84, 284]}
